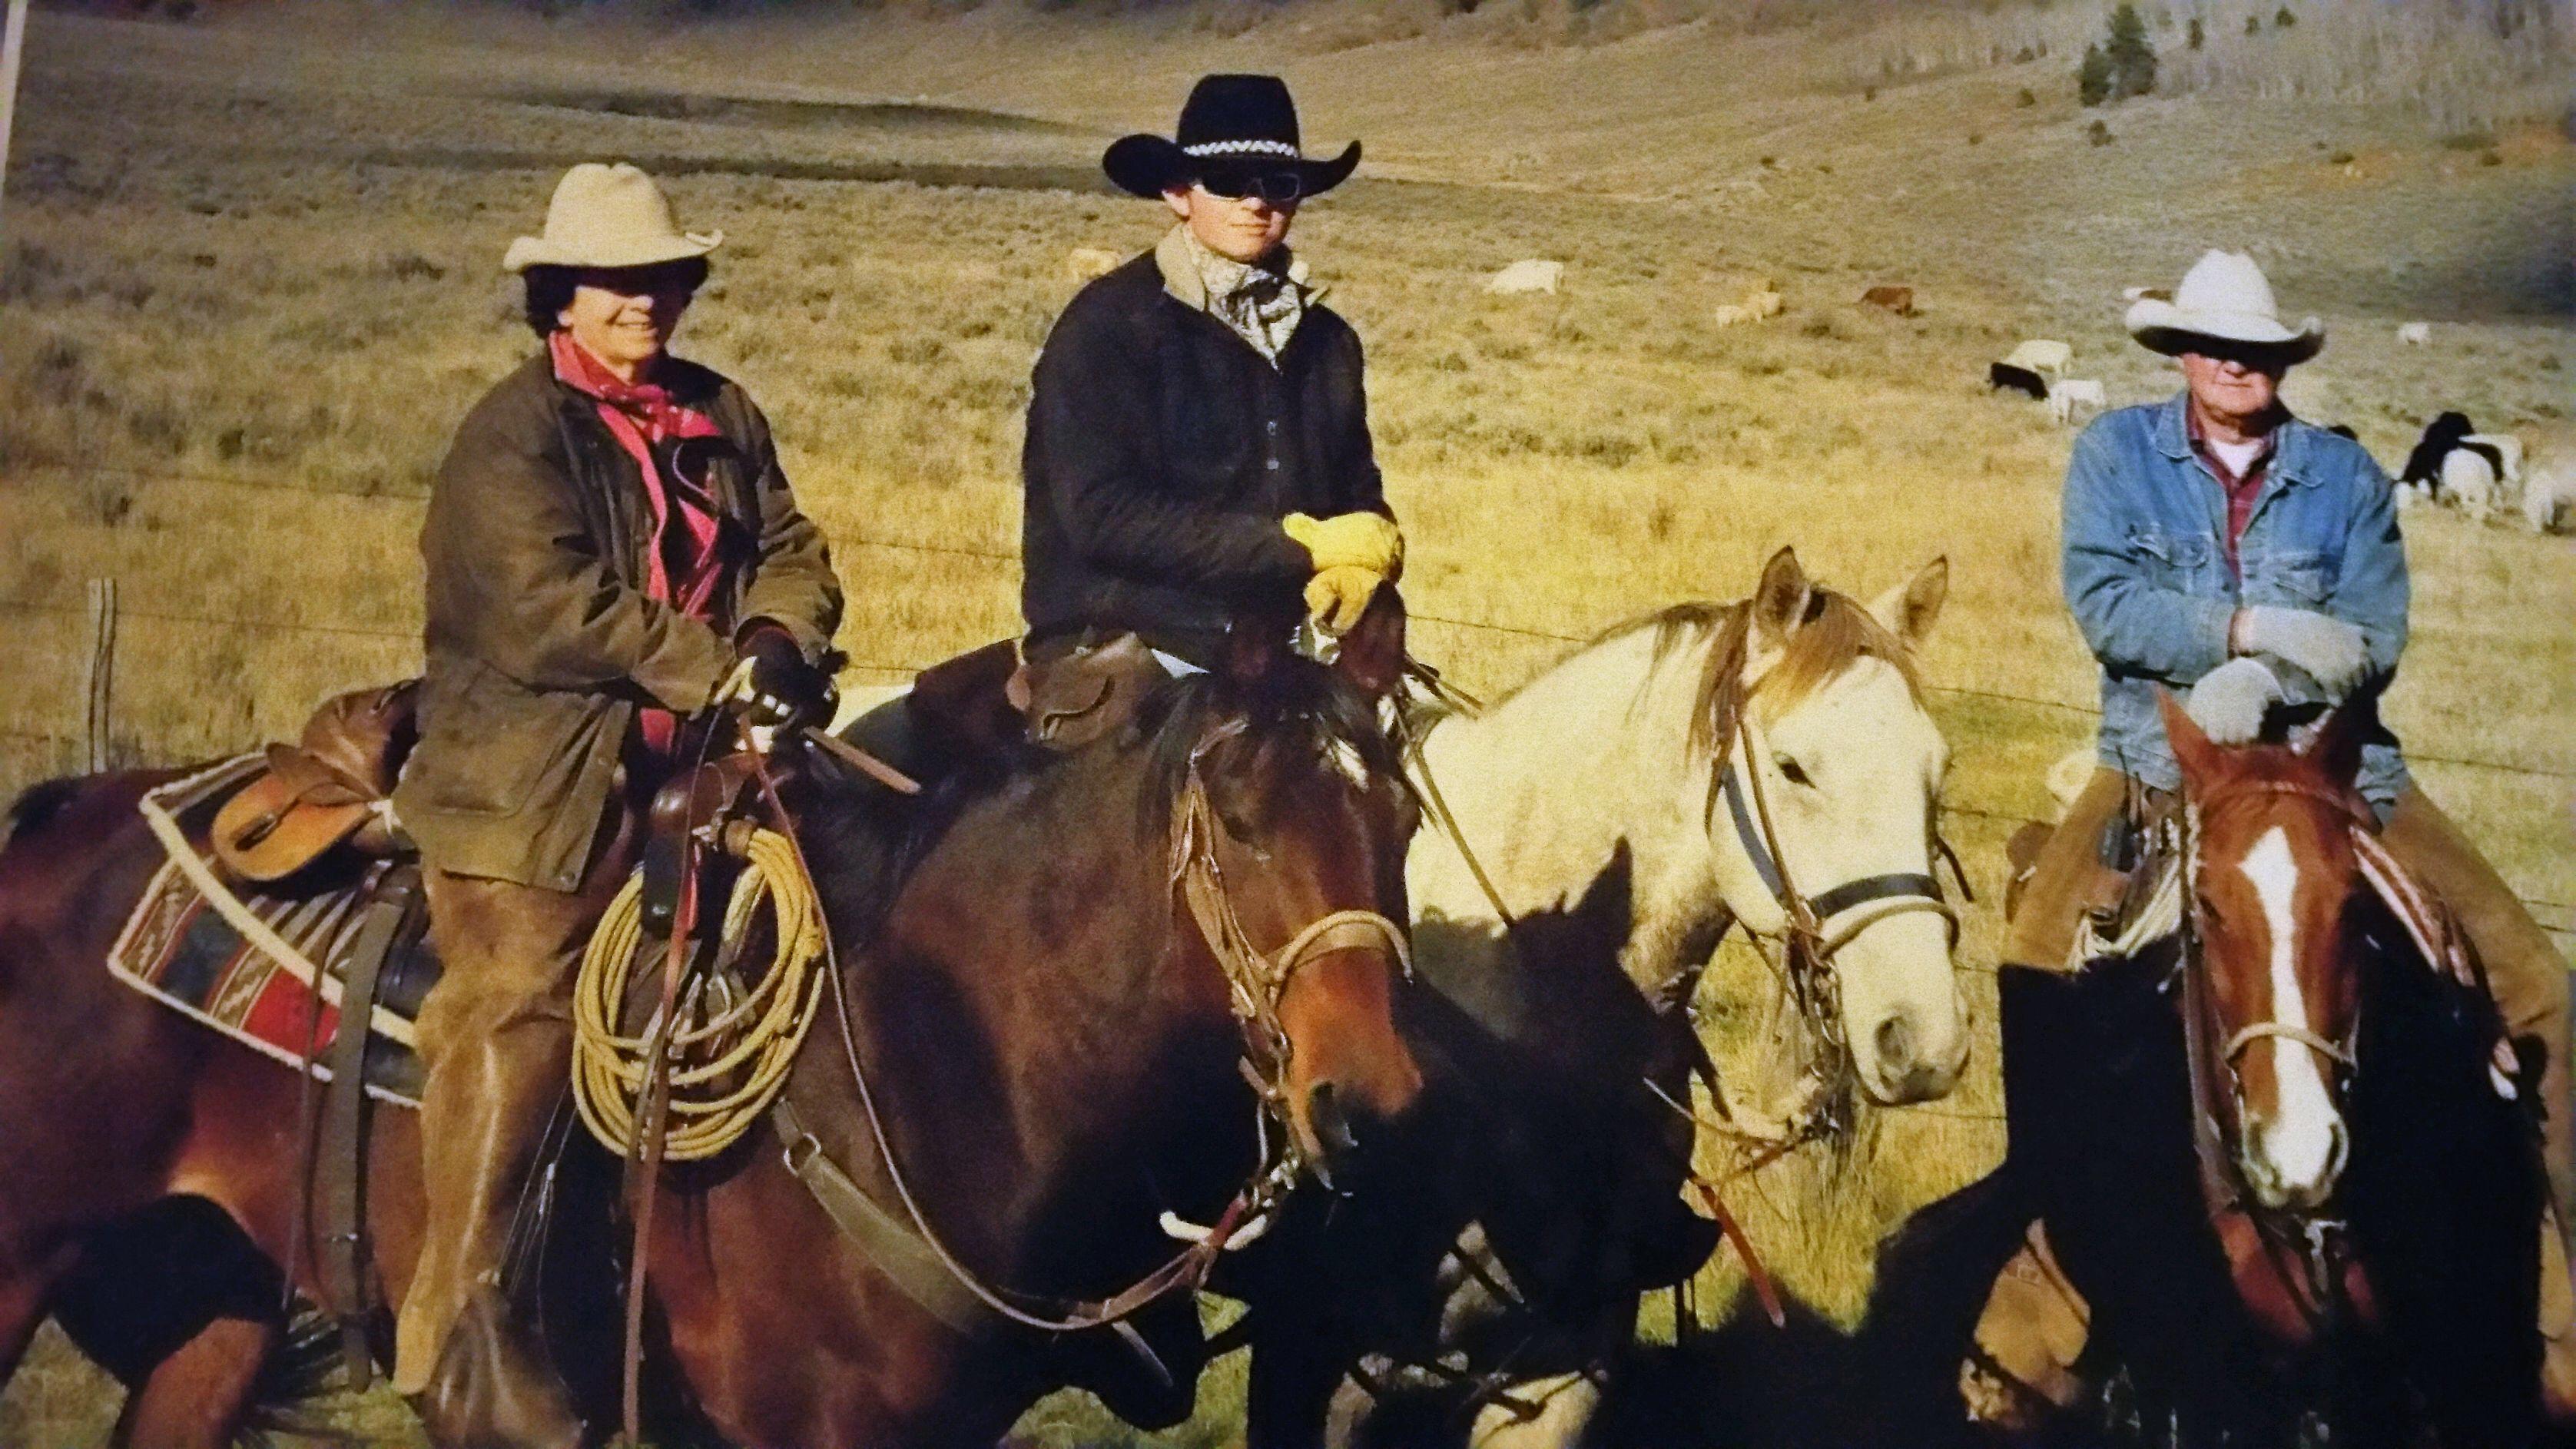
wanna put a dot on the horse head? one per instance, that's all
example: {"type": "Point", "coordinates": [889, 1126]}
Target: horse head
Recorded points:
{"type": "Point", "coordinates": [1311, 815]}
{"type": "Point", "coordinates": [2274, 872]}
{"type": "Point", "coordinates": [1823, 812]}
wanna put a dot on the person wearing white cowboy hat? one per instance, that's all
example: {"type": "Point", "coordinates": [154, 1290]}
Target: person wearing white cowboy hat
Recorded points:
{"type": "Point", "coordinates": [2220, 548]}
{"type": "Point", "coordinates": [610, 550]}
{"type": "Point", "coordinates": [1198, 450]}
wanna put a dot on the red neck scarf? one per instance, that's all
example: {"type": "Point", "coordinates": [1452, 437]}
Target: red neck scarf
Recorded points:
{"type": "Point", "coordinates": [681, 566]}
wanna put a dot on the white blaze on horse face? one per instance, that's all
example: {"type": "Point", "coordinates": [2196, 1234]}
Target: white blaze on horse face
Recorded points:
{"type": "Point", "coordinates": [1872, 761]}
{"type": "Point", "coordinates": [2299, 1151]}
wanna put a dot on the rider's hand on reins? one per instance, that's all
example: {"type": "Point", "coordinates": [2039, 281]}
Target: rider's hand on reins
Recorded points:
{"type": "Point", "coordinates": [773, 686]}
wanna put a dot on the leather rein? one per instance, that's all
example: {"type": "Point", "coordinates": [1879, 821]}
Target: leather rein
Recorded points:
{"type": "Point", "coordinates": [1256, 980]}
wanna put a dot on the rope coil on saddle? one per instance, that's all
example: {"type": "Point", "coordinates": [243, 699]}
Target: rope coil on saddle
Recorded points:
{"type": "Point", "coordinates": [729, 1048]}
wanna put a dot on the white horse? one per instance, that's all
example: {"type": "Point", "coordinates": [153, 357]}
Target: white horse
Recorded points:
{"type": "Point", "coordinates": [1768, 764]}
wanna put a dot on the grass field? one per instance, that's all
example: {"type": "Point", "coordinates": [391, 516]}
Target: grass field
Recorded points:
{"type": "Point", "coordinates": [249, 282]}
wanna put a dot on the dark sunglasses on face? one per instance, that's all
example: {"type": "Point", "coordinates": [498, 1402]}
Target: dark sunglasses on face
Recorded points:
{"type": "Point", "coordinates": [1274, 187]}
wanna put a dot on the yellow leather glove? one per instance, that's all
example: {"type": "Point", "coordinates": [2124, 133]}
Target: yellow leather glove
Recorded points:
{"type": "Point", "coordinates": [1358, 540]}
{"type": "Point", "coordinates": [1336, 597]}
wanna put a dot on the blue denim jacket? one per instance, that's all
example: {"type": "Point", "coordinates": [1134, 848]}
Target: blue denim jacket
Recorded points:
{"type": "Point", "coordinates": [2145, 566]}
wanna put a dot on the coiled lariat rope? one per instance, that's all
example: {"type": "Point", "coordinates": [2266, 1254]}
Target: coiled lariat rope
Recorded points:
{"type": "Point", "coordinates": [736, 1035]}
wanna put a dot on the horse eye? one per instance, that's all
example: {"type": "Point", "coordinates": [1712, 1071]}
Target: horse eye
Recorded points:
{"type": "Point", "coordinates": [1791, 770]}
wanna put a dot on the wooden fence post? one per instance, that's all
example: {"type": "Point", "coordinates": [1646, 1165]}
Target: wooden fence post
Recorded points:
{"type": "Point", "coordinates": [13, 43]}
{"type": "Point", "coordinates": [102, 668]}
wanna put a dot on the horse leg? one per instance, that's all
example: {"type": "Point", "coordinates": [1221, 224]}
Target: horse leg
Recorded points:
{"type": "Point", "coordinates": [198, 1396]}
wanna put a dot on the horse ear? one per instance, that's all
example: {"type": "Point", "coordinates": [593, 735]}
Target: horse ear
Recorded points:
{"type": "Point", "coordinates": [2336, 747]}
{"type": "Point", "coordinates": [2200, 759]}
{"type": "Point", "coordinates": [1372, 653]}
{"type": "Point", "coordinates": [1908, 610]}
{"type": "Point", "coordinates": [1780, 600]}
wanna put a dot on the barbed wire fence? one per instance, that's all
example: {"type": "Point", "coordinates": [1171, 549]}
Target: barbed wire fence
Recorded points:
{"type": "Point", "coordinates": [881, 663]}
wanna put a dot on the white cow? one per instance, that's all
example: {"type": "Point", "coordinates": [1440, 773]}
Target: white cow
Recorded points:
{"type": "Point", "coordinates": [2549, 494]}
{"type": "Point", "coordinates": [2468, 483]}
{"type": "Point", "coordinates": [1524, 277]}
{"type": "Point", "coordinates": [2065, 396]}
{"type": "Point", "coordinates": [2508, 454]}
{"type": "Point", "coordinates": [1084, 263]}
{"type": "Point", "coordinates": [2415, 334]}
{"type": "Point", "coordinates": [1756, 307]}
{"type": "Point", "coordinates": [2049, 358]}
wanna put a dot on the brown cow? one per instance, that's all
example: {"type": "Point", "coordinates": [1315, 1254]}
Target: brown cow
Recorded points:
{"type": "Point", "coordinates": [1899, 300]}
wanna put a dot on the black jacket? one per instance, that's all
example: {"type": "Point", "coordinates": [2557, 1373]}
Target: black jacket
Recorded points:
{"type": "Point", "coordinates": [1163, 451]}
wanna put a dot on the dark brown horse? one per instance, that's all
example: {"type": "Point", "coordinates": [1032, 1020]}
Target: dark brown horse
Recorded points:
{"type": "Point", "coordinates": [2277, 1151]}
{"type": "Point", "coordinates": [1048, 1036]}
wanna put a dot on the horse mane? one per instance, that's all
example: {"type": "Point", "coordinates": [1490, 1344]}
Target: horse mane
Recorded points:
{"type": "Point", "coordinates": [37, 804]}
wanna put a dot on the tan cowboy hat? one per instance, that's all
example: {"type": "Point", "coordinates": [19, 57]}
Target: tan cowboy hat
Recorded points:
{"type": "Point", "coordinates": [608, 216]}
{"type": "Point", "coordinates": [2224, 296]}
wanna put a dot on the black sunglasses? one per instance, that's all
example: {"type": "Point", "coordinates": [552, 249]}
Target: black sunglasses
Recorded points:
{"type": "Point", "coordinates": [1271, 186]}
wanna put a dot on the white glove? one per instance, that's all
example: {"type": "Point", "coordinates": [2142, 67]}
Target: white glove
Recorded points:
{"type": "Point", "coordinates": [2229, 701]}
{"type": "Point", "coordinates": [2329, 650]}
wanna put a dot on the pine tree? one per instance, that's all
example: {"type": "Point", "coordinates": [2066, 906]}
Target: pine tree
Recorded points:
{"type": "Point", "coordinates": [2093, 78]}
{"type": "Point", "coordinates": [2131, 56]}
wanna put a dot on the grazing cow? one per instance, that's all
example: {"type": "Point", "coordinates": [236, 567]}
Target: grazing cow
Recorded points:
{"type": "Point", "coordinates": [2064, 397]}
{"type": "Point", "coordinates": [2469, 482]}
{"type": "Point", "coordinates": [1523, 278]}
{"type": "Point", "coordinates": [2424, 464]}
{"type": "Point", "coordinates": [2506, 450]}
{"type": "Point", "coordinates": [2415, 334]}
{"type": "Point", "coordinates": [2146, 294]}
{"type": "Point", "coordinates": [1084, 263]}
{"type": "Point", "coordinates": [2019, 379]}
{"type": "Point", "coordinates": [2047, 357]}
{"type": "Point", "coordinates": [1899, 300]}
{"type": "Point", "coordinates": [2549, 494]}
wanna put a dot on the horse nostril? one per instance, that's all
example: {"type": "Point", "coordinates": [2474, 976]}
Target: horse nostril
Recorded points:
{"type": "Point", "coordinates": [1331, 1124]}
{"type": "Point", "coordinates": [1895, 1046]}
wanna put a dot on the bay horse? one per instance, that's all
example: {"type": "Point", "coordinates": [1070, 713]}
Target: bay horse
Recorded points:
{"type": "Point", "coordinates": [1050, 1042]}
{"type": "Point", "coordinates": [2281, 1152]}
{"type": "Point", "coordinates": [1767, 763]}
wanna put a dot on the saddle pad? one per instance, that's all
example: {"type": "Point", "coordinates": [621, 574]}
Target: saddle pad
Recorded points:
{"type": "Point", "coordinates": [244, 962]}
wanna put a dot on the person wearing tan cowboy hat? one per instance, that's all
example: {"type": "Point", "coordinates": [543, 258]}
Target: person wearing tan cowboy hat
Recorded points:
{"type": "Point", "coordinates": [2221, 548]}
{"type": "Point", "coordinates": [1198, 449]}
{"type": "Point", "coordinates": [611, 549]}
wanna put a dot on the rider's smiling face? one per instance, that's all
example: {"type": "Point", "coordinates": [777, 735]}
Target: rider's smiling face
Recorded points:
{"type": "Point", "coordinates": [624, 316]}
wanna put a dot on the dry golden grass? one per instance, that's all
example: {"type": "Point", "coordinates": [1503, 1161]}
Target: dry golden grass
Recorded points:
{"type": "Point", "coordinates": [248, 260]}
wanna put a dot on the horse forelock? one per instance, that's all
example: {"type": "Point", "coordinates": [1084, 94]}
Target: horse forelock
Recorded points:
{"type": "Point", "coordinates": [1298, 703]}
{"type": "Point", "coordinates": [1834, 634]}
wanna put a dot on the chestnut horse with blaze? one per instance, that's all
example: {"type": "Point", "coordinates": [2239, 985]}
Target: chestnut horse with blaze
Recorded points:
{"type": "Point", "coordinates": [1047, 1031]}
{"type": "Point", "coordinates": [2285, 1151]}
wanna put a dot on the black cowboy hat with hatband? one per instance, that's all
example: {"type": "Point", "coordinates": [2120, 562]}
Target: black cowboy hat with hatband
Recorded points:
{"type": "Point", "coordinates": [1231, 123]}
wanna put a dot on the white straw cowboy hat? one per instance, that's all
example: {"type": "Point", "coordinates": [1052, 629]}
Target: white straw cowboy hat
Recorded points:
{"type": "Point", "coordinates": [2226, 297]}
{"type": "Point", "coordinates": [608, 216]}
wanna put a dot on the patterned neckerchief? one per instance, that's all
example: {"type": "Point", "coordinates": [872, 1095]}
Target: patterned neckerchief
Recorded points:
{"type": "Point", "coordinates": [1256, 303]}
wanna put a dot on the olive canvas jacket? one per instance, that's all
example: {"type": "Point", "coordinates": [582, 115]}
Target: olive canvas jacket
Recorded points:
{"type": "Point", "coordinates": [1162, 452]}
{"type": "Point", "coordinates": [541, 640]}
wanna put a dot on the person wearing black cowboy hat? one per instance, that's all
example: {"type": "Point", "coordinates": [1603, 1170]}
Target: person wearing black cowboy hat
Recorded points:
{"type": "Point", "coordinates": [1198, 448]}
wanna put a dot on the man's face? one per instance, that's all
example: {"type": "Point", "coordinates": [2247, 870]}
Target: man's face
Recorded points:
{"type": "Point", "coordinates": [2235, 386]}
{"type": "Point", "coordinates": [624, 316]}
{"type": "Point", "coordinates": [1245, 226]}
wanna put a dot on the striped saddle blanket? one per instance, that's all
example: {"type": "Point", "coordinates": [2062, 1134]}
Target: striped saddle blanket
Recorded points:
{"type": "Point", "coordinates": [267, 969]}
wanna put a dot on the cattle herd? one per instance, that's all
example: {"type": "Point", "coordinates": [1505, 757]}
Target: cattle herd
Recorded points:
{"type": "Point", "coordinates": [2455, 465]}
